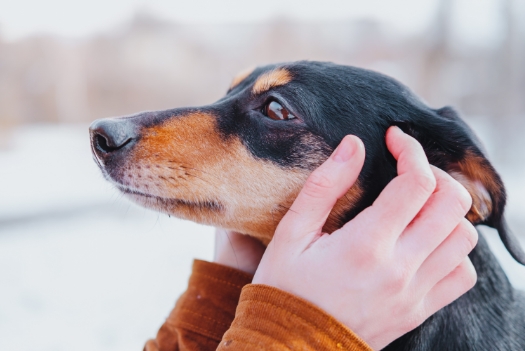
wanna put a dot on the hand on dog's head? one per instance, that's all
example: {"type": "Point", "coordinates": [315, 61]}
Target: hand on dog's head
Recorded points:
{"type": "Point", "coordinates": [239, 163]}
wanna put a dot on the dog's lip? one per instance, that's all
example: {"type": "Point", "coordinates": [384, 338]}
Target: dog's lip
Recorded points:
{"type": "Point", "coordinates": [211, 205]}
{"type": "Point", "coordinates": [135, 192]}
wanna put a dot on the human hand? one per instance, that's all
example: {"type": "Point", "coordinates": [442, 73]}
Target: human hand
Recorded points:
{"type": "Point", "coordinates": [391, 267]}
{"type": "Point", "coordinates": [237, 250]}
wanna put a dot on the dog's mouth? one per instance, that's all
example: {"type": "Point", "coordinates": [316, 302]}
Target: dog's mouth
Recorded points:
{"type": "Point", "coordinates": [170, 204]}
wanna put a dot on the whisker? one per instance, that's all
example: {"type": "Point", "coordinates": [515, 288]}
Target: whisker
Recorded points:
{"type": "Point", "coordinates": [172, 181]}
{"type": "Point", "coordinates": [193, 175]}
{"type": "Point", "coordinates": [200, 170]}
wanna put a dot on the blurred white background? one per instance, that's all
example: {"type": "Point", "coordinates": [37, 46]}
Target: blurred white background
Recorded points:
{"type": "Point", "coordinates": [81, 268]}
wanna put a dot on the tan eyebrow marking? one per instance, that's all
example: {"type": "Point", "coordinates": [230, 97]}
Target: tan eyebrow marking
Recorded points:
{"type": "Point", "coordinates": [241, 76]}
{"type": "Point", "coordinates": [271, 79]}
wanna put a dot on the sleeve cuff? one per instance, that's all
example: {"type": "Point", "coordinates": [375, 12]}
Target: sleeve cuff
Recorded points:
{"type": "Point", "coordinates": [208, 305]}
{"type": "Point", "coordinates": [271, 319]}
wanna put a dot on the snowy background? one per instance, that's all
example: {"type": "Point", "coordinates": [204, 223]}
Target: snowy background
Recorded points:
{"type": "Point", "coordinates": [81, 268]}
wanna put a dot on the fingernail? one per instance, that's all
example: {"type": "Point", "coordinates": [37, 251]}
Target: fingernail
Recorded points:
{"type": "Point", "coordinates": [345, 150]}
{"type": "Point", "coordinates": [397, 127]}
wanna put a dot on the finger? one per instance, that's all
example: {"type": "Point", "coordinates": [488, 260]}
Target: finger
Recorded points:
{"type": "Point", "coordinates": [447, 256]}
{"type": "Point", "coordinates": [406, 194]}
{"type": "Point", "coordinates": [455, 284]}
{"type": "Point", "coordinates": [322, 189]}
{"type": "Point", "coordinates": [443, 211]}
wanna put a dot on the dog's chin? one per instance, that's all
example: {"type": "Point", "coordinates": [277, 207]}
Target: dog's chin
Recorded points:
{"type": "Point", "coordinates": [204, 212]}
{"type": "Point", "coordinates": [171, 206]}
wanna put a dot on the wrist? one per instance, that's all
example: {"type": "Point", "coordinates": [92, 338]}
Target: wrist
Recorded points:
{"type": "Point", "coordinates": [231, 261]}
{"type": "Point", "coordinates": [237, 251]}
{"type": "Point", "coordinates": [277, 317]}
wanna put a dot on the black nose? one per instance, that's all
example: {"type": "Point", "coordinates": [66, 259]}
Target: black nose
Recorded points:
{"type": "Point", "coordinates": [109, 135]}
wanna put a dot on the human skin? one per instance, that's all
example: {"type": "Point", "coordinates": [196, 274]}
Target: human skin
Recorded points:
{"type": "Point", "coordinates": [239, 251]}
{"type": "Point", "coordinates": [388, 269]}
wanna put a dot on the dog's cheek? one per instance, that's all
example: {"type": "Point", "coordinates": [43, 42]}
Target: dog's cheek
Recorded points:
{"type": "Point", "coordinates": [258, 194]}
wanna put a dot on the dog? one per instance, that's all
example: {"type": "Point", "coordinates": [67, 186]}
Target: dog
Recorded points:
{"type": "Point", "coordinates": [240, 162]}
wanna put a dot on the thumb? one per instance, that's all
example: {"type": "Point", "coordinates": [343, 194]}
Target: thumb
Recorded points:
{"type": "Point", "coordinates": [307, 215]}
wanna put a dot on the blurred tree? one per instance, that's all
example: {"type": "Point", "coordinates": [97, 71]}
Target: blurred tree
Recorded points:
{"type": "Point", "coordinates": [153, 64]}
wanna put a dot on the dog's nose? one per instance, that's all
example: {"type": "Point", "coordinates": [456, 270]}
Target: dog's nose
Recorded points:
{"type": "Point", "coordinates": [109, 135]}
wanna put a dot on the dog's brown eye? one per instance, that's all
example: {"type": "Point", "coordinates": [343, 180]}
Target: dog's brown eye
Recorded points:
{"type": "Point", "coordinates": [276, 111]}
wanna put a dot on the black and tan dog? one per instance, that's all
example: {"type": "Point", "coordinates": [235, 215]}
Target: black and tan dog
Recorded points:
{"type": "Point", "coordinates": [240, 162]}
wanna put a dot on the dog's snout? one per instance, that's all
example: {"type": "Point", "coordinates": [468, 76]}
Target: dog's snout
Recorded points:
{"type": "Point", "coordinates": [111, 135]}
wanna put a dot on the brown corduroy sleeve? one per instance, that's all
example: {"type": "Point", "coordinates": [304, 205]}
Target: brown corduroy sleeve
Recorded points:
{"type": "Point", "coordinates": [204, 312]}
{"type": "Point", "coordinates": [271, 319]}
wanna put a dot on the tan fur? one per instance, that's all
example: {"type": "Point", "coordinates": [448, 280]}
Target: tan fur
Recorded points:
{"type": "Point", "coordinates": [241, 76]}
{"type": "Point", "coordinates": [270, 80]}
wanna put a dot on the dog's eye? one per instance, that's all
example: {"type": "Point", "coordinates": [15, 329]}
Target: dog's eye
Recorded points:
{"type": "Point", "coordinates": [276, 111]}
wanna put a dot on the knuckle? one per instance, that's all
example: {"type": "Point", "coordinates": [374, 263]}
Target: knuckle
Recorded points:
{"type": "Point", "coordinates": [463, 197]}
{"type": "Point", "coordinates": [470, 233]}
{"type": "Point", "coordinates": [375, 252]}
{"type": "Point", "coordinates": [464, 247]}
{"type": "Point", "coordinates": [414, 145]}
{"type": "Point", "coordinates": [372, 251]}
{"type": "Point", "coordinates": [398, 280]}
{"type": "Point", "coordinates": [318, 184]}
{"type": "Point", "coordinates": [467, 235]}
{"type": "Point", "coordinates": [466, 277]}
{"type": "Point", "coordinates": [470, 278]}
{"type": "Point", "coordinates": [425, 181]}
{"type": "Point", "coordinates": [458, 197]}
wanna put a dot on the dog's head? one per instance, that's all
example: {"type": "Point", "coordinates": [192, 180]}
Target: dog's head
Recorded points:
{"type": "Point", "coordinates": [240, 162]}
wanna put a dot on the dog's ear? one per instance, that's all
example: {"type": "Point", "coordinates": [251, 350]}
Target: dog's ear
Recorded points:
{"type": "Point", "coordinates": [452, 146]}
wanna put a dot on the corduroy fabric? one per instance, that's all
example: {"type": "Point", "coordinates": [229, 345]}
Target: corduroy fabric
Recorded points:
{"type": "Point", "coordinates": [264, 318]}
{"type": "Point", "coordinates": [271, 319]}
{"type": "Point", "coordinates": [204, 312]}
